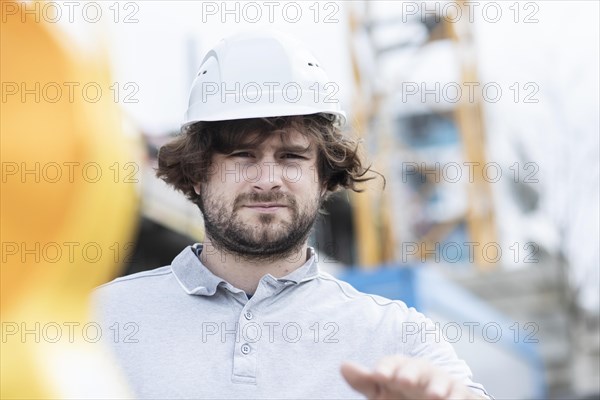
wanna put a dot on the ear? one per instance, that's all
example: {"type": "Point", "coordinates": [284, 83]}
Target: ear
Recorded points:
{"type": "Point", "coordinates": [197, 188]}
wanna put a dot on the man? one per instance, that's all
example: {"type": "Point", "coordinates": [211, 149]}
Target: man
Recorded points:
{"type": "Point", "coordinates": [247, 313]}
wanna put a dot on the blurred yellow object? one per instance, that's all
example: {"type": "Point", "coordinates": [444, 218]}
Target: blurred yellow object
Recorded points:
{"type": "Point", "coordinates": [68, 206]}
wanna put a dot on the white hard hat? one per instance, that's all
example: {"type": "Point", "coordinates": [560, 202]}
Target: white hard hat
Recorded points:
{"type": "Point", "coordinates": [261, 74]}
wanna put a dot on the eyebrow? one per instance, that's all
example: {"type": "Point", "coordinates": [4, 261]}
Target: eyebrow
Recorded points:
{"type": "Point", "coordinates": [284, 149]}
{"type": "Point", "coordinates": [296, 149]}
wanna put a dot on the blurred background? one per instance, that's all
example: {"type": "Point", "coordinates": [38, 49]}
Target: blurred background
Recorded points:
{"type": "Point", "coordinates": [482, 116]}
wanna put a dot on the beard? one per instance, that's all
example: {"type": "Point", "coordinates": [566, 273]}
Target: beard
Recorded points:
{"type": "Point", "coordinates": [270, 238]}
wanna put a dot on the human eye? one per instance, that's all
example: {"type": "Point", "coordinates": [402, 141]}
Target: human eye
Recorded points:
{"type": "Point", "coordinates": [293, 156]}
{"type": "Point", "coordinates": [241, 154]}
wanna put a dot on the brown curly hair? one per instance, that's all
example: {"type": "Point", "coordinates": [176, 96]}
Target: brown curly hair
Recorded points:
{"type": "Point", "coordinates": [187, 159]}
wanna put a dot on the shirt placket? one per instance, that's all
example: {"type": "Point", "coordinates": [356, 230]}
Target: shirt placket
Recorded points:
{"type": "Point", "coordinates": [250, 332]}
{"type": "Point", "coordinates": [245, 354]}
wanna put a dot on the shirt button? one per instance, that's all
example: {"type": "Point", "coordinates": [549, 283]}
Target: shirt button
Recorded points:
{"type": "Point", "coordinates": [245, 348]}
{"type": "Point", "coordinates": [248, 315]}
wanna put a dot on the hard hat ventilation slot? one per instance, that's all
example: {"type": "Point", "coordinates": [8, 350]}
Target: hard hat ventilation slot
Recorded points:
{"type": "Point", "coordinates": [313, 65]}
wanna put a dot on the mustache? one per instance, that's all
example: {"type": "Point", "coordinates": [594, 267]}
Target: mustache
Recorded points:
{"type": "Point", "coordinates": [268, 197]}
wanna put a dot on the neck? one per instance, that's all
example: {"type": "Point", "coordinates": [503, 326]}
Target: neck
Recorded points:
{"type": "Point", "coordinates": [245, 272]}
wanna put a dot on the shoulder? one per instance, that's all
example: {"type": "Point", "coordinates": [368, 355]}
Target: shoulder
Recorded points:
{"type": "Point", "coordinates": [394, 311]}
{"type": "Point", "coordinates": [138, 281]}
{"type": "Point", "coordinates": [337, 290]}
{"type": "Point", "coordinates": [143, 277]}
{"type": "Point", "coordinates": [136, 288]}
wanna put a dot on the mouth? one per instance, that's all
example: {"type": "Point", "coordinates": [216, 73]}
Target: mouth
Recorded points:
{"type": "Point", "coordinates": [266, 207]}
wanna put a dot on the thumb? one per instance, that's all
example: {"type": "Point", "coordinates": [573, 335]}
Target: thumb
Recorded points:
{"type": "Point", "coordinates": [360, 379]}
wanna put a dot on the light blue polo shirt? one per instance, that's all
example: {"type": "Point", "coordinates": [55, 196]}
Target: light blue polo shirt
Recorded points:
{"type": "Point", "coordinates": [181, 332]}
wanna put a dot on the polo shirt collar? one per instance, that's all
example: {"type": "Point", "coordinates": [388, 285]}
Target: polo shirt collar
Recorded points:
{"type": "Point", "coordinates": [196, 279]}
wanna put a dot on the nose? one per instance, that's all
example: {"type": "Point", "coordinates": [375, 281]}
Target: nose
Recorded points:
{"type": "Point", "coordinates": [268, 176]}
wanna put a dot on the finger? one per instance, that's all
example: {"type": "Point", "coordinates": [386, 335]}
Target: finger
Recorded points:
{"type": "Point", "coordinates": [402, 376]}
{"type": "Point", "coordinates": [410, 379]}
{"type": "Point", "coordinates": [420, 380]}
{"type": "Point", "coordinates": [386, 368]}
{"type": "Point", "coordinates": [459, 391]}
{"type": "Point", "coordinates": [360, 379]}
{"type": "Point", "coordinates": [439, 387]}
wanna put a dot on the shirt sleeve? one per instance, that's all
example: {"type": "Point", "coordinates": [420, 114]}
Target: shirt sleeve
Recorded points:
{"type": "Point", "coordinates": [422, 338]}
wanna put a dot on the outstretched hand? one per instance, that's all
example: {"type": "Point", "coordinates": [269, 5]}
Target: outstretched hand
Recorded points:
{"type": "Point", "coordinates": [398, 377]}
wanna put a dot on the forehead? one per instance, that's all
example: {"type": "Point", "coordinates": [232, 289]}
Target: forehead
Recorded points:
{"type": "Point", "coordinates": [281, 139]}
